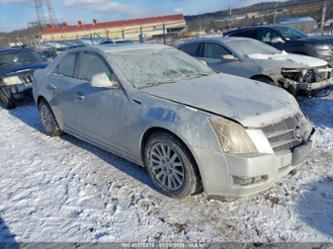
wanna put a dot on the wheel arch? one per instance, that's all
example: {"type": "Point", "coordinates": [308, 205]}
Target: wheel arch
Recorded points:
{"type": "Point", "coordinates": [152, 130]}
{"type": "Point", "coordinates": [39, 99]}
{"type": "Point", "coordinates": [42, 98]}
{"type": "Point", "coordinates": [262, 76]}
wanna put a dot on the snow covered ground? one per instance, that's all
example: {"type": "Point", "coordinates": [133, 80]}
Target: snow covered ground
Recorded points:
{"type": "Point", "coordinates": [62, 189]}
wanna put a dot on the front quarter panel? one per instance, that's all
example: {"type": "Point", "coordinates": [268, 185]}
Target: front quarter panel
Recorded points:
{"type": "Point", "coordinates": [193, 127]}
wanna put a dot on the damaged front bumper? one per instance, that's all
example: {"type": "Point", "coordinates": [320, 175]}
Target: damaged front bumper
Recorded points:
{"type": "Point", "coordinates": [282, 146]}
{"type": "Point", "coordinates": [317, 89]}
{"type": "Point", "coordinates": [248, 175]}
{"type": "Point", "coordinates": [316, 82]}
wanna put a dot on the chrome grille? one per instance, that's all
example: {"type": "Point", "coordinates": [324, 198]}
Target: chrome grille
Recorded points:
{"type": "Point", "coordinates": [281, 135]}
{"type": "Point", "coordinates": [26, 78]}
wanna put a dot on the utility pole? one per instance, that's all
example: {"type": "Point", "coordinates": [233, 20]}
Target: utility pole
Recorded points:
{"type": "Point", "coordinates": [164, 34]}
{"type": "Point", "coordinates": [323, 17]}
{"type": "Point", "coordinates": [230, 18]}
{"type": "Point", "coordinates": [275, 12]}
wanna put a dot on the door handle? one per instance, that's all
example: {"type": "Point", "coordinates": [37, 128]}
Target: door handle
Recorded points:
{"type": "Point", "coordinates": [51, 87]}
{"type": "Point", "coordinates": [80, 96]}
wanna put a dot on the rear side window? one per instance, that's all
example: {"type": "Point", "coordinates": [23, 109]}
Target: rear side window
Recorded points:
{"type": "Point", "coordinates": [67, 65]}
{"type": "Point", "coordinates": [216, 51]}
{"type": "Point", "coordinates": [91, 65]}
{"type": "Point", "coordinates": [192, 49]}
{"type": "Point", "coordinates": [248, 33]}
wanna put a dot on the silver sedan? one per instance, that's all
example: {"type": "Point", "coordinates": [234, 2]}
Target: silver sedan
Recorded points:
{"type": "Point", "coordinates": [192, 129]}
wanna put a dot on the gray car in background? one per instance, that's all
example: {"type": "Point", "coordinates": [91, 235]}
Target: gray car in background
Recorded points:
{"type": "Point", "coordinates": [299, 74]}
{"type": "Point", "coordinates": [192, 129]}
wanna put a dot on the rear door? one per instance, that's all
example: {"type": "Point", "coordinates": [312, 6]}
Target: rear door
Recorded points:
{"type": "Point", "coordinates": [60, 88]}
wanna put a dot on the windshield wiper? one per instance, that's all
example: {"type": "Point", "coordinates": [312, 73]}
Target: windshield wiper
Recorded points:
{"type": "Point", "coordinates": [156, 83]}
{"type": "Point", "coordinates": [194, 75]}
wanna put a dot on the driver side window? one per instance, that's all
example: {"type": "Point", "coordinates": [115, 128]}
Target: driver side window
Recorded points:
{"type": "Point", "coordinates": [215, 51]}
{"type": "Point", "coordinates": [91, 65]}
{"type": "Point", "coordinates": [266, 36]}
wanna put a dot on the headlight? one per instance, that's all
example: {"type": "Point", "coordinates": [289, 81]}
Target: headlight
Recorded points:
{"type": "Point", "coordinates": [13, 80]}
{"type": "Point", "coordinates": [232, 136]}
{"type": "Point", "coordinates": [322, 47]}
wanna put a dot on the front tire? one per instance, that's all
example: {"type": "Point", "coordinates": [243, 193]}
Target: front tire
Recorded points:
{"type": "Point", "coordinates": [7, 102]}
{"type": "Point", "coordinates": [48, 120]}
{"type": "Point", "coordinates": [171, 166]}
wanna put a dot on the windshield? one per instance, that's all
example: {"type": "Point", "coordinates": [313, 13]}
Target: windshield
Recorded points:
{"type": "Point", "coordinates": [247, 47]}
{"type": "Point", "coordinates": [290, 34]}
{"type": "Point", "coordinates": [149, 67]}
{"type": "Point", "coordinates": [19, 57]}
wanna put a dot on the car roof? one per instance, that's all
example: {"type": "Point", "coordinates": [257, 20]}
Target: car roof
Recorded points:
{"type": "Point", "coordinates": [121, 47]}
{"type": "Point", "coordinates": [252, 28]}
{"type": "Point", "coordinates": [214, 38]}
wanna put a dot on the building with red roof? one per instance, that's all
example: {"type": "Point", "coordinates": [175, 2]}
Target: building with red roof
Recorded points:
{"type": "Point", "coordinates": [125, 29]}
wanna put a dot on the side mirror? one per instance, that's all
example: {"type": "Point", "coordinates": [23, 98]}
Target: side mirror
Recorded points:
{"type": "Point", "coordinates": [277, 40]}
{"type": "Point", "coordinates": [102, 80]}
{"type": "Point", "coordinates": [229, 57]}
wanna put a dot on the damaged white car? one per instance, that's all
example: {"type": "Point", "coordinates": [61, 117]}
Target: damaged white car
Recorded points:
{"type": "Point", "coordinates": [299, 74]}
{"type": "Point", "coordinates": [192, 129]}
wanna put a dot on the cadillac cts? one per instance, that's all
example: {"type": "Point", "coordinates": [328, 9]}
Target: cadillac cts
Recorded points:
{"type": "Point", "coordinates": [192, 129]}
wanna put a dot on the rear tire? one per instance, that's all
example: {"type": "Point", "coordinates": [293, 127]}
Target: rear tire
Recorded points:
{"type": "Point", "coordinates": [7, 102]}
{"type": "Point", "coordinates": [171, 166]}
{"type": "Point", "coordinates": [48, 120]}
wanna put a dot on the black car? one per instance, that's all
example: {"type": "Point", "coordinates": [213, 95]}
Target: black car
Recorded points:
{"type": "Point", "coordinates": [16, 69]}
{"type": "Point", "coordinates": [49, 54]}
{"type": "Point", "coordinates": [291, 40]}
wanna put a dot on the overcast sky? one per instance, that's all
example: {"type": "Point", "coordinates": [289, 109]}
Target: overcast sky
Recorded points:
{"type": "Point", "coordinates": [15, 14]}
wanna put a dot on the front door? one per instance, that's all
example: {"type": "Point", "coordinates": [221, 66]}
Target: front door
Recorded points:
{"type": "Point", "coordinates": [214, 55]}
{"type": "Point", "coordinates": [101, 111]}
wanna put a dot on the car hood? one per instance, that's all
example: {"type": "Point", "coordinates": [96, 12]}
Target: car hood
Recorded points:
{"type": "Point", "coordinates": [287, 60]}
{"type": "Point", "coordinates": [13, 69]}
{"type": "Point", "coordinates": [251, 103]}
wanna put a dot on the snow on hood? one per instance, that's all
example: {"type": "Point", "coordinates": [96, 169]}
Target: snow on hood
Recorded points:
{"type": "Point", "coordinates": [290, 60]}
{"type": "Point", "coordinates": [251, 103]}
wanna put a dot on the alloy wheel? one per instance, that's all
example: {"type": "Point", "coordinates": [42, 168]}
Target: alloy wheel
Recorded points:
{"type": "Point", "coordinates": [47, 118]}
{"type": "Point", "coordinates": [167, 166]}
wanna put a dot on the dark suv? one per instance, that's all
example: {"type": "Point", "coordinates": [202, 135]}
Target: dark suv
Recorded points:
{"type": "Point", "coordinates": [290, 40]}
{"type": "Point", "coordinates": [16, 69]}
